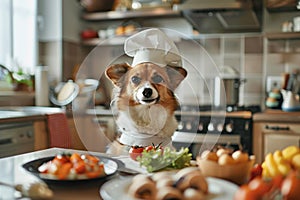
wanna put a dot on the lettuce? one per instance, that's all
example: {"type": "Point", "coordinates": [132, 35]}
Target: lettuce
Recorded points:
{"type": "Point", "coordinates": [165, 159]}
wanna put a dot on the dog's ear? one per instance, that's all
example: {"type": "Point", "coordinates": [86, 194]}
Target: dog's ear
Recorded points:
{"type": "Point", "coordinates": [176, 75]}
{"type": "Point", "coordinates": [116, 72]}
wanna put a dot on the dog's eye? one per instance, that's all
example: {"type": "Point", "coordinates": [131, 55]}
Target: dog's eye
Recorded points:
{"type": "Point", "coordinates": [157, 79]}
{"type": "Point", "coordinates": [135, 79]}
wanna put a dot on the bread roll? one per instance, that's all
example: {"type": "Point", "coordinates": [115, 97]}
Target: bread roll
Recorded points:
{"type": "Point", "coordinates": [166, 181]}
{"type": "Point", "coordinates": [166, 193]}
{"type": "Point", "coordinates": [194, 180]}
{"type": "Point", "coordinates": [193, 194]}
{"type": "Point", "coordinates": [142, 187]}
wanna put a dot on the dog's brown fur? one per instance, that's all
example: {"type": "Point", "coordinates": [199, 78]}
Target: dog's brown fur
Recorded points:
{"type": "Point", "coordinates": [163, 81]}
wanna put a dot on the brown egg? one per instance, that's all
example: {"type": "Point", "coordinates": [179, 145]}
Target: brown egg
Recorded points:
{"type": "Point", "coordinates": [226, 159]}
{"type": "Point", "coordinates": [223, 151]}
{"type": "Point", "coordinates": [240, 156]}
{"type": "Point", "coordinates": [209, 155]}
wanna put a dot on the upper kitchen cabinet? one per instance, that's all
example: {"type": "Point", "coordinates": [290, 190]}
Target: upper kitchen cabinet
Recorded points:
{"type": "Point", "coordinates": [282, 5]}
{"type": "Point", "coordinates": [121, 24]}
{"type": "Point", "coordinates": [281, 41]}
{"type": "Point", "coordinates": [122, 21]}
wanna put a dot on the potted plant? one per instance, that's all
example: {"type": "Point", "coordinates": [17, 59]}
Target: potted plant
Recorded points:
{"type": "Point", "coordinates": [20, 80]}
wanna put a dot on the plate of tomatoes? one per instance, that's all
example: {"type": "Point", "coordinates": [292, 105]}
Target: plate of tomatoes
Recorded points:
{"type": "Point", "coordinates": [73, 168]}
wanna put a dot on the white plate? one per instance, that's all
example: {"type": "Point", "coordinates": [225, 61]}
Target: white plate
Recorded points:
{"type": "Point", "coordinates": [116, 189]}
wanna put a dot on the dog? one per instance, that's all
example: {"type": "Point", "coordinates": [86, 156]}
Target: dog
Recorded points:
{"type": "Point", "coordinates": [145, 103]}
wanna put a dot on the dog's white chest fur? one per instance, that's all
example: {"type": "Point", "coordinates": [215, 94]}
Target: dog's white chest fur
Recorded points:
{"type": "Point", "coordinates": [153, 120]}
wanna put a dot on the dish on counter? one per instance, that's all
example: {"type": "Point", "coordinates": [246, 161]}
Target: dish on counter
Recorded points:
{"type": "Point", "coordinates": [109, 165]}
{"type": "Point", "coordinates": [118, 188]}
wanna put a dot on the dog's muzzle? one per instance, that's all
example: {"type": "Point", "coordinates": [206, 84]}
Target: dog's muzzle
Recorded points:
{"type": "Point", "coordinates": [147, 95]}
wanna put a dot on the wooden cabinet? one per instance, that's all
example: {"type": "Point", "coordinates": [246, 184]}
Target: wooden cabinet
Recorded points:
{"type": "Point", "coordinates": [75, 139]}
{"type": "Point", "coordinates": [41, 135]}
{"type": "Point", "coordinates": [271, 136]}
{"type": "Point", "coordinates": [274, 141]}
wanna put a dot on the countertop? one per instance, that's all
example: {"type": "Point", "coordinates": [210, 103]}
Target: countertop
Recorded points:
{"type": "Point", "coordinates": [13, 173]}
{"type": "Point", "coordinates": [25, 113]}
{"type": "Point", "coordinates": [15, 113]}
{"type": "Point", "coordinates": [277, 116]}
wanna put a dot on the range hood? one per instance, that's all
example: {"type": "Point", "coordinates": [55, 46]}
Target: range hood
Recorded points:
{"type": "Point", "coordinates": [223, 16]}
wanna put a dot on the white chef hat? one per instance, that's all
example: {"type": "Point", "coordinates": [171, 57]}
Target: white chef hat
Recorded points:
{"type": "Point", "coordinates": [152, 45]}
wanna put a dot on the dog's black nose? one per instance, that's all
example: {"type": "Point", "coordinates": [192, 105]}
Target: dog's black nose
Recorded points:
{"type": "Point", "coordinates": [147, 92]}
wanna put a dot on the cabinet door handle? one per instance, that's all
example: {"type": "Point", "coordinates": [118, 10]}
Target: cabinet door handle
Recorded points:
{"type": "Point", "coordinates": [277, 128]}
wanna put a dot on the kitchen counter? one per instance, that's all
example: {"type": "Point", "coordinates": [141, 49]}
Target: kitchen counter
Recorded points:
{"type": "Point", "coordinates": [277, 116]}
{"type": "Point", "coordinates": [13, 173]}
{"type": "Point", "coordinates": [27, 113]}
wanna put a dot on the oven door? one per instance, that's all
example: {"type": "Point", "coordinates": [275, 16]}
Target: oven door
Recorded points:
{"type": "Point", "coordinates": [197, 143]}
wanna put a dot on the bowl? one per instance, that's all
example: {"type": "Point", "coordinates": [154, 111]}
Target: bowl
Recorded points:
{"type": "Point", "coordinates": [238, 173]}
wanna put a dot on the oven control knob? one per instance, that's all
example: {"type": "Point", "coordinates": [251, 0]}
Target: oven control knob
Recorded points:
{"type": "Point", "coordinates": [200, 127]}
{"type": "Point", "coordinates": [188, 126]}
{"type": "Point", "coordinates": [220, 127]}
{"type": "Point", "coordinates": [180, 126]}
{"type": "Point", "coordinates": [211, 127]}
{"type": "Point", "coordinates": [229, 127]}
{"type": "Point", "coordinates": [29, 134]}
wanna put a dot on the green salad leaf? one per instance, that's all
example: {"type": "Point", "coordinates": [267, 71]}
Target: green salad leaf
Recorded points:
{"type": "Point", "coordinates": [164, 159]}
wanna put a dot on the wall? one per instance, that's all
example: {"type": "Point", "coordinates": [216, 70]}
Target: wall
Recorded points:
{"type": "Point", "coordinates": [50, 38]}
{"type": "Point", "coordinates": [241, 51]}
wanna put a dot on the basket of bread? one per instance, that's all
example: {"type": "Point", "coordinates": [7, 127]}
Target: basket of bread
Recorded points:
{"type": "Point", "coordinates": [224, 163]}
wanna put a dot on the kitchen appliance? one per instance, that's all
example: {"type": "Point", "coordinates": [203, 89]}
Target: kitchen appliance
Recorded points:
{"type": "Point", "coordinates": [223, 16]}
{"type": "Point", "coordinates": [16, 138]}
{"type": "Point", "coordinates": [202, 128]}
{"type": "Point", "coordinates": [290, 101]}
{"type": "Point", "coordinates": [66, 92]}
{"type": "Point", "coordinates": [227, 87]}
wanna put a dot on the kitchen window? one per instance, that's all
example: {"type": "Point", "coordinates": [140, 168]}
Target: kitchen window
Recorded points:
{"type": "Point", "coordinates": [18, 35]}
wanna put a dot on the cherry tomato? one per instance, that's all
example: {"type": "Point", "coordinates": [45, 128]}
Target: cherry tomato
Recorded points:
{"type": "Point", "coordinates": [149, 148]}
{"type": "Point", "coordinates": [260, 186]}
{"type": "Point", "coordinates": [256, 171]}
{"type": "Point", "coordinates": [244, 193]}
{"type": "Point", "coordinates": [135, 151]}
{"type": "Point", "coordinates": [277, 181]}
{"type": "Point", "coordinates": [290, 188]}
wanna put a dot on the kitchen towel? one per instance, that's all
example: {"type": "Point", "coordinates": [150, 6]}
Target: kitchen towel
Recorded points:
{"type": "Point", "coordinates": [59, 132]}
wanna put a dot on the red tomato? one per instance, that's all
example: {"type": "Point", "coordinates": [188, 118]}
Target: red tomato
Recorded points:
{"type": "Point", "coordinates": [290, 188]}
{"type": "Point", "coordinates": [277, 181]}
{"type": "Point", "coordinates": [260, 186]}
{"type": "Point", "coordinates": [135, 151]}
{"type": "Point", "coordinates": [149, 148]}
{"type": "Point", "coordinates": [256, 171]}
{"type": "Point", "coordinates": [244, 193]}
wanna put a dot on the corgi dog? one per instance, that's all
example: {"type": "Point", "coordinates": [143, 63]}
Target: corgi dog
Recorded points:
{"type": "Point", "coordinates": [145, 102]}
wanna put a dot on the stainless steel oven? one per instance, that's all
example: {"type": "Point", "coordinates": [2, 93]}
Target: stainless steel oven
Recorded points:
{"type": "Point", "coordinates": [203, 130]}
{"type": "Point", "coordinates": [16, 138]}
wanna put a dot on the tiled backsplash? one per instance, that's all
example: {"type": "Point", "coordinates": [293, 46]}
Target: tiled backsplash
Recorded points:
{"type": "Point", "coordinates": [244, 52]}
